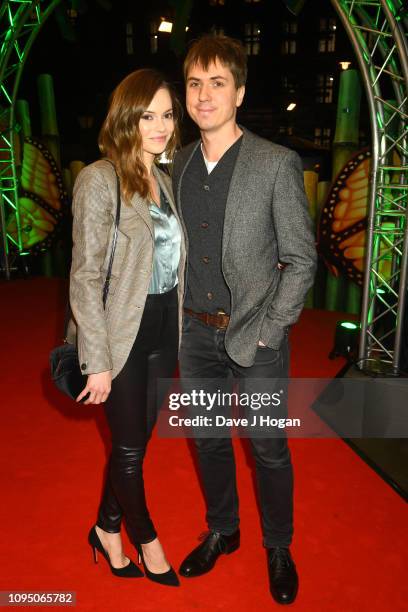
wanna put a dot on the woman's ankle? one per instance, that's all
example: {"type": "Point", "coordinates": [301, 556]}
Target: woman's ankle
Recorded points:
{"type": "Point", "coordinates": [104, 532]}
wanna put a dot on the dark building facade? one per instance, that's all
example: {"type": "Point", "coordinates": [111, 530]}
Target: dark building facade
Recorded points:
{"type": "Point", "coordinates": [292, 61]}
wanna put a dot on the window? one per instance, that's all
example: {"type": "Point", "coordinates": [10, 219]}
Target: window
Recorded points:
{"type": "Point", "coordinates": [217, 30]}
{"type": "Point", "coordinates": [286, 129]}
{"type": "Point", "coordinates": [288, 47]}
{"type": "Point", "coordinates": [327, 44]}
{"type": "Point", "coordinates": [322, 137]}
{"type": "Point", "coordinates": [289, 83]}
{"type": "Point", "coordinates": [129, 38]}
{"type": "Point", "coordinates": [290, 27]}
{"type": "Point", "coordinates": [324, 90]}
{"type": "Point", "coordinates": [154, 27]}
{"type": "Point", "coordinates": [327, 36]}
{"type": "Point", "coordinates": [326, 25]}
{"type": "Point", "coordinates": [252, 38]}
{"type": "Point", "coordinates": [72, 15]}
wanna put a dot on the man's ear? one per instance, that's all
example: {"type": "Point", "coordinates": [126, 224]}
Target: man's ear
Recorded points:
{"type": "Point", "coordinates": [240, 95]}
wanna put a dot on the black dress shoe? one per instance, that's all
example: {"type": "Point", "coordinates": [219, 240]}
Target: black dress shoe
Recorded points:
{"type": "Point", "coordinates": [202, 559]}
{"type": "Point", "coordinates": [283, 578]}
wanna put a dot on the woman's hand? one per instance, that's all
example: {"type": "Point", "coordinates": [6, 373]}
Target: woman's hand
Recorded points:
{"type": "Point", "coordinates": [98, 386]}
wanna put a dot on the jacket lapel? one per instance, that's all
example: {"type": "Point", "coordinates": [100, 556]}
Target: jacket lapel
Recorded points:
{"type": "Point", "coordinates": [184, 168]}
{"type": "Point", "coordinates": [141, 207]}
{"type": "Point", "coordinates": [236, 192]}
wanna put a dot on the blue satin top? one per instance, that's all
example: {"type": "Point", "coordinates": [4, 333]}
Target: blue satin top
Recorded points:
{"type": "Point", "coordinates": [167, 240]}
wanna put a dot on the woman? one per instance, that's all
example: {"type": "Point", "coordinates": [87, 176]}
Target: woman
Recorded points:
{"type": "Point", "coordinates": [127, 347]}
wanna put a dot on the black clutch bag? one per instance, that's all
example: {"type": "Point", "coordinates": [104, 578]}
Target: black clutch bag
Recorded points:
{"type": "Point", "coordinates": [65, 370]}
{"type": "Point", "coordinates": [64, 362]}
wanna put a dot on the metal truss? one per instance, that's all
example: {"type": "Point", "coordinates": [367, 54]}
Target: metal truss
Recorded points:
{"type": "Point", "coordinates": [377, 30]}
{"type": "Point", "coordinates": [20, 23]}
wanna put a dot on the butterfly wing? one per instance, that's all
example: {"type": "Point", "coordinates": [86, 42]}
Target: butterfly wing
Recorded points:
{"type": "Point", "coordinates": [42, 199]}
{"type": "Point", "coordinates": [343, 221]}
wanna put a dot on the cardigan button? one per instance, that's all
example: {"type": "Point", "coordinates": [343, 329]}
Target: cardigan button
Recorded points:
{"type": "Point", "coordinates": [83, 366]}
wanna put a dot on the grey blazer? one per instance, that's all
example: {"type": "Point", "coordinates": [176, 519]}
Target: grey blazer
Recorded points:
{"type": "Point", "coordinates": [105, 337]}
{"type": "Point", "coordinates": [266, 221]}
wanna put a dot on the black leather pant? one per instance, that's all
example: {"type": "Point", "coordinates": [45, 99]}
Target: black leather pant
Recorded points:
{"type": "Point", "coordinates": [203, 355]}
{"type": "Point", "coordinates": [131, 411]}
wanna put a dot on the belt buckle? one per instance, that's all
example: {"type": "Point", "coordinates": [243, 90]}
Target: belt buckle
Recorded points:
{"type": "Point", "coordinates": [221, 313]}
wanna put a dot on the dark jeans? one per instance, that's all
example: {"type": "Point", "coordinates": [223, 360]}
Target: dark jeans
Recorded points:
{"type": "Point", "coordinates": [131, 411]}
{"type": "Point", "coordinates": [203, 355]}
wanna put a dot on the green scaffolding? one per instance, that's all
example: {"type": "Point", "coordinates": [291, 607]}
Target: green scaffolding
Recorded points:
{"type": "Point", "coordinates": [377, 30]}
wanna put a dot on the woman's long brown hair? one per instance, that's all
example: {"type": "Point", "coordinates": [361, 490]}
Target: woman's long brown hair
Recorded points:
{"type": "Point", "coordinates": [120, 139]}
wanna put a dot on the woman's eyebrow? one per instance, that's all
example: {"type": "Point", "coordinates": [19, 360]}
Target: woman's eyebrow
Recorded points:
{"type": "Point", "coordinates": [154, 113]}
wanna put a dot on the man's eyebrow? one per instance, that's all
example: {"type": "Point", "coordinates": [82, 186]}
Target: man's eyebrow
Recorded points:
{"type": "Point", "coordinates": [213, 78]}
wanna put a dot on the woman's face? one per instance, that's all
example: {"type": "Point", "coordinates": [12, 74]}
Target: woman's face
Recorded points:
{"type": "Point", "coordinates": [156, 125]}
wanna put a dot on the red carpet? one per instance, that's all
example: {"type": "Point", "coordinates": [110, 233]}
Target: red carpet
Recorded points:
{"type": "Point", "coordinates": [350, 539]}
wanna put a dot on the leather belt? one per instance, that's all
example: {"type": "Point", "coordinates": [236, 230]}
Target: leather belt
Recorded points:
{"type": "Point", "coordinates": [219, 320]}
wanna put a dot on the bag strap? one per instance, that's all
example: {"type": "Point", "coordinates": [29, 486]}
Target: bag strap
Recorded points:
{"type": "Point", "coordinates": [115, 237]}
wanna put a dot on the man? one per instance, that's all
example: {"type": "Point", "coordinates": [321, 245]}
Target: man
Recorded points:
{"type": "Point", "coordinates": [251, 261]}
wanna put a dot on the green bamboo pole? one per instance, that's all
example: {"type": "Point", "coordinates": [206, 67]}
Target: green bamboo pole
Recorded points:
{"type": "Point", "coordinates": [54, 261]}
{"type": "Point", "coordinates": [23, 117]}
{"type": "Point", "coordinates": [345, 144]}
{"type": "Point", "coordinates": [323, 188]}
{"type": "Point", "coordinates": [310, 180]}
{"type": "Point", "coordinates": [49, 126]}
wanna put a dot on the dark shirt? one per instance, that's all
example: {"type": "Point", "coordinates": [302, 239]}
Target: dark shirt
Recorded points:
{"type": "Point", "coordinates": [203, 201]}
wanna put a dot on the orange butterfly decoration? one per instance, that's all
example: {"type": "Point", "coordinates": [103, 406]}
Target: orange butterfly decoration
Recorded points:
{"type": "Point", "coordinates": [42, 199]}
{"type": "Point", "coordinates": [343, 220]}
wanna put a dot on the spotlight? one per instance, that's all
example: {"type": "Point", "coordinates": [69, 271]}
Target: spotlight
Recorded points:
{"type": "Point", "coordinates": [345, 340]}
{"type": "Point", "coordinates": [166, 26]}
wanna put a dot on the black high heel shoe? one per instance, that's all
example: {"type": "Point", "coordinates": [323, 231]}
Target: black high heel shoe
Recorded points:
{"type": "Point", "coordinates": [129, 571]}
{"type": "Point", "coordinates": [168, 578]}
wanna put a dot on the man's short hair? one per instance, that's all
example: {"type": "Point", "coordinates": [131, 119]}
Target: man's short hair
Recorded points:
{"type": "Point", "coordinates": [228, 51]}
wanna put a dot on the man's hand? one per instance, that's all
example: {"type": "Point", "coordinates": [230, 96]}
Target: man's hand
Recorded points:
{"type": "Point", "coordinates": [98, 386]}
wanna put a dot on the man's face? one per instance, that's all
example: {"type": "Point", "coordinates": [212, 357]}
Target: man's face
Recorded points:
{"type": "Point", "coordinates": [212, 98]}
